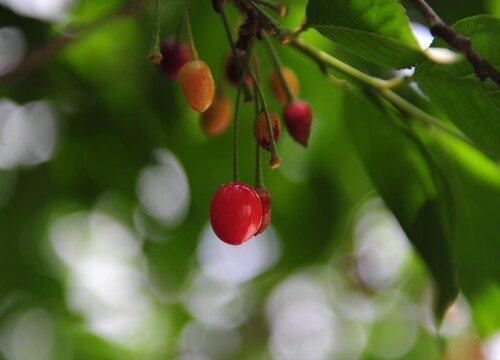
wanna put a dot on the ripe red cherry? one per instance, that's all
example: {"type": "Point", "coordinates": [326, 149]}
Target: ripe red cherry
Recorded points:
{"type": "Point", "coordinates": [298, 119]}
{"type": "Point", "coordinates": [175, 55]}
{"type": "Point", "coordinates": [265, 199]}
{"type": "Point", "coordinates": [235, 213]}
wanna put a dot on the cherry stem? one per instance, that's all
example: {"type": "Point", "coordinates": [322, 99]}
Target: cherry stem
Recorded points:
{"type": "Point", "coordinates": [189, 31]}
{"type": "Point", "coordinates": [154, 52]}
{"type": "Point", "coordinates": [239, 67]}
{"type": "Point", "coordinates": [275, 160]}
{"type": "Point", "coordinates": [248, 55]}
{"type": "Point", "coordinates": [278, 66]}
{"type": "Point", "coordinates": [178, 33]}
{"type": "Point", "coordinates": [235, 133]}
{"type": "Point", "coordinates": [259, 182]}
{"type": "Point", "coordinates": [258, 167]}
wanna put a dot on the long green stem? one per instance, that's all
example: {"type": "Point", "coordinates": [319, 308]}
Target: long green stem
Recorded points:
{"type": "Point", "coordinates": [235, 134]}
{"type": "Point", "coordinates": [259, 182]}
{"type": "Point", "coordinates": [275, 159]}
{"type": "Point", "coordinates": [326, 59]}
{"type": "Point", "coordinates": [154, 52]}
{"type": "Point", "coordinates": [189, 31]}
{"type": "Point", "coordinates": [239, 67]}
{"type": "Point", "coordinates": [258, 167]}
{"type": "Point", "coordinates": [278, 66]}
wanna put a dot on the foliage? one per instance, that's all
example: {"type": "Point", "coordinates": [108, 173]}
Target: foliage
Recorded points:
{"type": "Point", "coordinates": [427, 145]}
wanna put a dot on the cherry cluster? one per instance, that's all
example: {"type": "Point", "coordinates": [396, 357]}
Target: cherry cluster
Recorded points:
{"type": "Point", "coordinates": [238, 211]}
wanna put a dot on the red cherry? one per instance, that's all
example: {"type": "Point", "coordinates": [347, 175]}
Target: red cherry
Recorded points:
{"type": "Point", "coordinates": [175, 55]}
{"type": "Point", "coordinates": [298, 120]}
{"type": "Point", "coordinates": [232, 73]}
{"type": "Point", "coordinates": [265, 199]}
{"type": "Point", "coordinates": [235, 213]}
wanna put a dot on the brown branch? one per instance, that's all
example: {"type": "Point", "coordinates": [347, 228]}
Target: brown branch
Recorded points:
{"type": "Point", "coordinates": [438, 27]}
{"type": "Point", "coordinates": [40, 56]}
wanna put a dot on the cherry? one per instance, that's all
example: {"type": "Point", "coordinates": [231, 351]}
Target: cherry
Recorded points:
{"type": "Point", "coordinates": [277, 87]}
{"type": "Point", "coordinates": [175, 55]}
{"type": "Point", "coordinates": [261, 129]}
{"type": "Point", "coordinates": [218, 116]}
{"type": "Point", "coordinates": [235, 213]}
{"type": "Point", "coordinates": [298, 120]}
{"type": "Point", "coordinates": [231, 69]}
{"type": "Point", "coordinates": [265, 199]}
{"type": "Point", "coordinates": [197, 84]}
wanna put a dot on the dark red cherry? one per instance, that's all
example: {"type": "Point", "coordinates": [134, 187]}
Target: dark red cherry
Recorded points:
{"type": "Point", "coordinates": [235, 213]}
{"type": "Point", "coordinates": [298, 120]}
{"type": "Point", "coordinates": [265, 199]}
{"type": "Point", "coordinates": [232, 73]}
{"type": "Point", "coordinates": [175, 55]}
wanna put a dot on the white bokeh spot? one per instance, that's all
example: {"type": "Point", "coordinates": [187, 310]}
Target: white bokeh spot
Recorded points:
{"type": "Point", "coordinates": [12, 48]}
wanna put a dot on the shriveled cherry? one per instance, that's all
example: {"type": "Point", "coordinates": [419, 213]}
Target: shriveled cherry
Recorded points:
{"type": "Point", "coordinates": [261, 130]}
{"type": "Point", "coordinates": [265, 199]}
{"type": "Point", "coordinates": [175, 55]}
{"type": "Point", "coordinates": [277, 87]}
{"type": "Point", "coordinates": [235, 213]}
{"type": "Point", "coordinates": [232, 72]}
{"type": "Point", "coordinates": [218, 116]}
{"type": "Point", "coordinates": [298, 120]}
{"type": "Point", "coordinates": [197, 84]}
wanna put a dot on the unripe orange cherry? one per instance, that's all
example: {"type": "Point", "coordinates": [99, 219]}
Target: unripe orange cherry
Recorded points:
{"type": "Point", "coordinates": [277, 87]}
{"type": "Point", "coordinates": [218, 116]}
{"type": "Point", "coordinates": [261, 129]}
{"type": "Point", "coordinates": [197, 84]}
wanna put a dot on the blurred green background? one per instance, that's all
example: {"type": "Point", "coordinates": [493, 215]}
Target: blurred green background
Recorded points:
{"type": "Point", "coordinates": [106, 178]}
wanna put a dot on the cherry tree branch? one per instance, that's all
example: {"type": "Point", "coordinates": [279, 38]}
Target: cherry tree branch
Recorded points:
{"type": "Point", "coordinates": [438, 27]}
{"type": "Point", "coordinates": [40, 56]}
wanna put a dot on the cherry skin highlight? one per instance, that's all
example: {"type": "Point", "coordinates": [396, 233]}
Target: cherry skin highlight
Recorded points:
{"type": "Point", "coordinates": [175, 56]}
{"type": "Point", "coordinates": [265, 199]}
{"type": "Point", "coordinates": [235, 213]}
{"type": "Point", "coordinates": [197, 84]}
{"type": "Point", "coordinates": [298, 120]}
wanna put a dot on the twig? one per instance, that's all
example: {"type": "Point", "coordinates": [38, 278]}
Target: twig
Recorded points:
{"type": "Point", "coordinates": [41, 55]}
{"type": "Point", "coordinates": [438, 27]}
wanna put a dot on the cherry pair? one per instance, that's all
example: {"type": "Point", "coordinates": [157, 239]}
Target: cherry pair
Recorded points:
{"type": "Point", "coordinates": [238, 212]}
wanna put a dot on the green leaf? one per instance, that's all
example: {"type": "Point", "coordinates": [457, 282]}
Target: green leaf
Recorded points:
{"type": "Point", "coordinates": [475, 187]}
{"type": "Point", "coordinates": [404, 175]}
{"type": "Point", "coordinates": [376, 30]}
{"type": "Point", "coordinates": [474, 107]}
